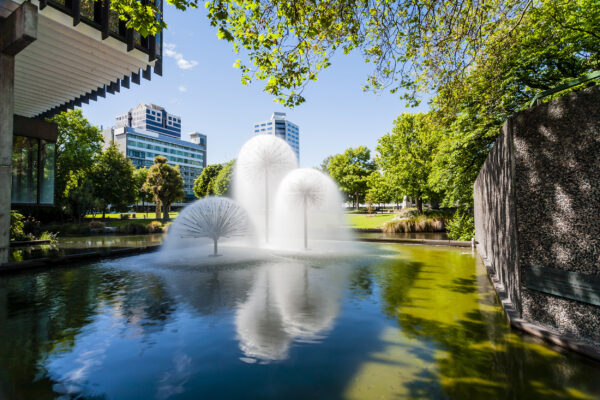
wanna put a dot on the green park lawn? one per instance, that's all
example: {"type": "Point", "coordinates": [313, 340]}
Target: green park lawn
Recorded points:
{"type": "Point", "coordinates": [150, 216]}
{"type": "Point", "coordinates": [367, 221]}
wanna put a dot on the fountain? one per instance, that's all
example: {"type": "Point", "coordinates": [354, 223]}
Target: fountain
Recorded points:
{"type": "Point", "coordinates": [262, 163]}
{"type": "Point", "coordinates": [308, 204]}
{"type": "Point", "coordinates": [214, 218]}
{"type": "Point", "coordinates": [307, 208]}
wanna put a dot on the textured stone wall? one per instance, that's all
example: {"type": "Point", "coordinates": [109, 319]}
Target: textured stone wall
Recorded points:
{"type": "Point", "coordinates": [538, 194]}
{"type": "Point", "coordinates": [496, 232]}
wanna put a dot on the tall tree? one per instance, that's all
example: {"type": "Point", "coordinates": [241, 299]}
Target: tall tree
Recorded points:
{"type": "Point", "coordinates": [406, 155]}
{"type": "Point", "coordinates": [113, 178]}
{"type": "Point", "coordinates": [166, 185]}
{"type": "Point", "coordinates": [78, 145]}
{"type": "Point", "coordinates": [203, 185]}
{"type": "Point", "coordinates": [140, 176]}
{"type": "Point", "coordinates": [351, 170]}
{"type": "Point", "coordinates": [222, 183]}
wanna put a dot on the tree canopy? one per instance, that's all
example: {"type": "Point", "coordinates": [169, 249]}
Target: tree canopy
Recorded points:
{"type": "Point", "coordinates": [204, 184]}
{"type": "Point", "coordinates": [406, 155]}
{"type": "Point", "coordinates": [78, 145]}
{"type": "Point", "coordinates": [113, 178]}
{"type": "Point", "coordinates": [222, 183]}
{"type": "Point", "coordinates": [351, 170]}
{"type": "Point", "coordinates": [412, 45]}
{"type": "Point", "coordinates": [165, 183]}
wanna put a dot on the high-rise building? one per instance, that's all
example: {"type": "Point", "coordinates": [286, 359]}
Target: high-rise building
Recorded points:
{"type": "Point", "coordinates": [279, 126]}
{"type": "Point", "coordinates": [141, 145]}
{"type": "Point", "coordinates": [152, 118]}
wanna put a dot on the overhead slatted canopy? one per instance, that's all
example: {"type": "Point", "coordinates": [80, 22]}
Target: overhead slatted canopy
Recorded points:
{"type": "Point", "coordinates": [68, 65]}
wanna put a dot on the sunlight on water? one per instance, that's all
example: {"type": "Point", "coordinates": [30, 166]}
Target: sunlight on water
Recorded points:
{"type": "Point", "coordinates": [399, 321]}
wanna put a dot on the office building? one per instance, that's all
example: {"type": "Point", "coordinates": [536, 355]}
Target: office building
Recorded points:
{"type": "Point", "coordinates": [279, 126]}
{"type": "Point", "coordinates": [142, 145]}
{"type": "Point", "coordinates": [151, 117]}
{"type": "Point", "coordinates": [54, 56]}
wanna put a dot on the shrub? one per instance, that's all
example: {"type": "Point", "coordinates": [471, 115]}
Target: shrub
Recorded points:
{"type": "Point", "coordinates": [461, 226]}
{"type": "Point", "coordinates": [52, 237]}
{"type": "Point", "coordinates": [16, 225]}
{"type": "Point", "coordinates": [132, 228]}
{"type": "Point", "coordinates": [154, 227]}
{"type": "Point", "coordinates": [96, 225]}
{"type": "Point", "coordinates": [418, 223]}
{"type": "Point", "coordinates": [31, 226]}
{"type": "Point", "coordinates": [125, 216]}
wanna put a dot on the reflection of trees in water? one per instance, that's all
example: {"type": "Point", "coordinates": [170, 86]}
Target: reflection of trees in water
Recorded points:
{"type": "Point", "coordinates": [452, 305]}
{"type": "Point", "coordinates": [42, 314]}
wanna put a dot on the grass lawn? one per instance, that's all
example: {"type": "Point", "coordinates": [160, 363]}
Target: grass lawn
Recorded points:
{"type": "Point", "coordinates": [368, 221]}
{"type": "Point", "coordinates": [150, 215]}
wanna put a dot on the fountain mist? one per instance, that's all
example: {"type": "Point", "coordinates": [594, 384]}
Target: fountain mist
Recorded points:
{"type": "Point", "coordinates": [308, 205]}
{"type": "Point", "coordinates": [262, 163]}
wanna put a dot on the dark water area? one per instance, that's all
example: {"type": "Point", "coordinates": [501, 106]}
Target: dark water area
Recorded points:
{"type": "Point", "coordinates": [83, 244]}
{"type": "Point", "coordinates": [401, 321]}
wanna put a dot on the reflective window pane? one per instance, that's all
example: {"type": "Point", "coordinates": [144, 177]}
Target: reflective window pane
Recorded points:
{"type": "Point", "coordinates": [24, 170]}
{"type": "Point", "coordinates": [47, 158]}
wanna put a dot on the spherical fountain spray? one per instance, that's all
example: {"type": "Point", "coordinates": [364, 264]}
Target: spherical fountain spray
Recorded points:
{"type": "Point", "coordinates": [261, 164]}
{"type": "Point", "coordinates": [214, 218]}
{"type": "Point", "coordinates": [308, 206]}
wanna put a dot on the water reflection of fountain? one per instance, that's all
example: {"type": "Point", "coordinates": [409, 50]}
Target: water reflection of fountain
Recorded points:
{"type": "Point", "coordinates": [288, 302]}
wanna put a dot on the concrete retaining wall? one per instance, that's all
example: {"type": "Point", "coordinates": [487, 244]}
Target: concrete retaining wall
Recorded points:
{"type": "Point", "coordinates": [537, 206]}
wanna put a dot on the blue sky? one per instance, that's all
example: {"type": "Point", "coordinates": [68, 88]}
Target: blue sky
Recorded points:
{"type": "Point", "coordinates": [200, 85]}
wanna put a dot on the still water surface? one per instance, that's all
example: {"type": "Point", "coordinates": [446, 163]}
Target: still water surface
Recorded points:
{"type": "Point", "coordinates": [402, 322]}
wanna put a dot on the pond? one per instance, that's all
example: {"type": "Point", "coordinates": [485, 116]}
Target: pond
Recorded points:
{"type": "Point", "coordinates": [400, 321]}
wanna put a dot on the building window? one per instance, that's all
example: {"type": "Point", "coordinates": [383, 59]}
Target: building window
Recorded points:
{"type": "Point", "coordinates": [32, 171]}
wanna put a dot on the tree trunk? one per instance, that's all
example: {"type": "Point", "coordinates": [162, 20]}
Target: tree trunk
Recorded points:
{"type": "Point", "coordinates": [357, 202]}
{"type": "Point", "coordinates": [103, 213]}
{"type": "Point", "coordinates": [165, 213]}
{"type": "Point", "coordinates": [419, 205]}
{"type": "Point", "coordinates": [157, 211]}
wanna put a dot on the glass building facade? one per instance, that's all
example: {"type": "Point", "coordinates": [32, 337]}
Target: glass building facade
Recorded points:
{"type": "Point", "coordinates": [279, 126]}
{"type": "Point", "coordinates": [141, 146]}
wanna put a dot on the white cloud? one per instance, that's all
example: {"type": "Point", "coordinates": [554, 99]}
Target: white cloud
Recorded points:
{"type": "Point", "coordinates": [169, 50]}
{"type": "Point", "coordinates": [182, 89]}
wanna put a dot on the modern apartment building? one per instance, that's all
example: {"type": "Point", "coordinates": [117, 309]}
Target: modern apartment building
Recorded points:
{"type": "Point", "coordinates": [279, 126]}
{"type": "Point", "coordinates": [151, 118]}
{"type": "Point", "coordinates": [141, 145]}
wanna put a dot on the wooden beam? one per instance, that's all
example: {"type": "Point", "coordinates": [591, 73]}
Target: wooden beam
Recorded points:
{"type": "Point", "coordinates": [19, 29]}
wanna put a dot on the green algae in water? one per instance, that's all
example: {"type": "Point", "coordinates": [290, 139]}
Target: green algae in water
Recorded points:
{"type": "Point", "coordinates": [404, 322]}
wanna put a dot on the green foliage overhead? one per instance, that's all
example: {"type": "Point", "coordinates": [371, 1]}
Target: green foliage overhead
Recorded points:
{"type": "Point", "coordinates": [204, 184]}
{"type": "Point", "coordinates": [77, 147]}
{"type": "Point", "coordinates": [222, 183]}
{"type": "Point", "coordinates": [165, 183]}
{"type": "Point", "coordinates": [351, 170]}
{"type": "Point", "coordinates": [113, 178]}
